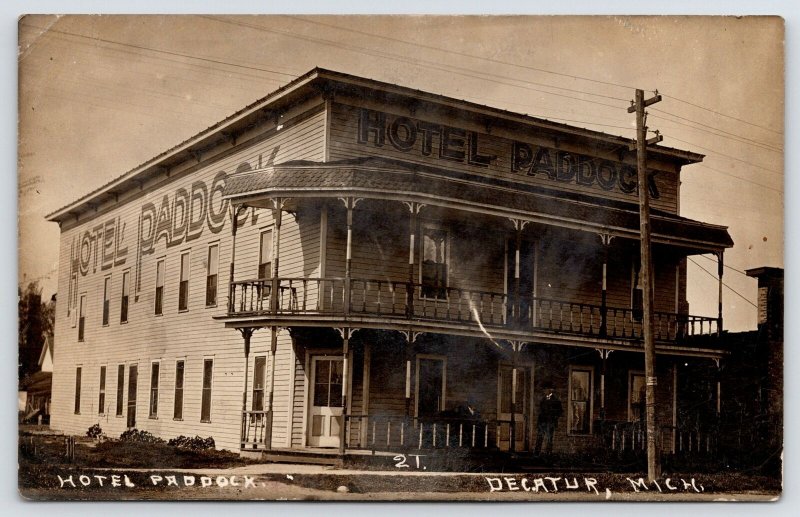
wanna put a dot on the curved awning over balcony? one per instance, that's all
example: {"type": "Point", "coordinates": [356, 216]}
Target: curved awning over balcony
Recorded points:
{"type": "Point", "coordinates": [377, 178]}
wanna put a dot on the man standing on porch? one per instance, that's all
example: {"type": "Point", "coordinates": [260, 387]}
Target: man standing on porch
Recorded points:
{"type": "Point", "coordinates": [549, 412]}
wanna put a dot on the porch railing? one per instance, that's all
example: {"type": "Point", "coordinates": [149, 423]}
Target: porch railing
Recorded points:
{"type": "Point", "coordinates": [397, 432]}
{"type": "Point", "coordinates": [632, 436]}
{"type": "Point", "coordinates": [255, 429]}
{"type": "Point", "coordinates": [405, 300]}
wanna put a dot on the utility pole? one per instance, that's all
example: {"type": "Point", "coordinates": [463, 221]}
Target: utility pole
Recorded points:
{"type": "Point", "coordinates": [646, 270]}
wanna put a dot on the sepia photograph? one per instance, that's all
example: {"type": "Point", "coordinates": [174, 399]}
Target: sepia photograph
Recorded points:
{"type": "Point", "coordinates": [400, 258]}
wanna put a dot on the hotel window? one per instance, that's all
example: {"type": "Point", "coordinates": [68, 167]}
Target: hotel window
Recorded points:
{"type": "Point", "coordinates": [434, 263]}
{"type": "Point", "coordinates": [123, 310]}
{"type": "Point", "coordinates": [160, 287]}
{"type": "Point", "coordinates": [154, 379]}
{"type": "Point", "coordinates": [205, 405]}
{"type": "Point", "coordinates": [82, 318]}
{"type": "Point", "coordinates": [579, 416]}
{"type": "Point", "coordinates": [259, 369]}
{"type": "Point", "coordinates": [177, 412]}
{"type": "Point", "coordinates": [120, 387]}
{"type": "Point", "coordinates": [265, 255]}
{"type": "Point", "coordinates": [78, 390]}
{"type": "Point", "coordinates": [101, 402]}
{"type": "Point", "coordinates": [212, 275]}
{"type": "Point", "coordinates": [72, 301]}
{"type": "Point", "coordinates": [636, 397]}
{"type": "Point", "coordinates": [183, 287]}
{"type": "Point", "coordinates": [106, 301]}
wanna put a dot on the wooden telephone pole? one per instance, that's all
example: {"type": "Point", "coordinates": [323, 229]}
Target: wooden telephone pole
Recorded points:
{"type": "Point", "coordinates": [646, 270]}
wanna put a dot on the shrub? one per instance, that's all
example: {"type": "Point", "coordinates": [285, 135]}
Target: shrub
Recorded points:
{"type": "Point", "coordinates": [135, 435]}
{"type": "Point", "coordinates": [195, 444]}
{"type": "Point", "coordinates": [95, 431]}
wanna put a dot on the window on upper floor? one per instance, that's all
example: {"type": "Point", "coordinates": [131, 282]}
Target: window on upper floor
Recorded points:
{"type": "Point", "coordinates": [106, 300]}
{"type": "Point", "coordinates": [212, 274]}
{"type": "Point", "coordinates": [125, 300]}
{"type": "Point", "coordinates": [265, 255]}
{"type": "Point", "coordinates": [82, 318]}
{"type": "Point", "coordinates": [72, 301]}
{"type": "Point", "coordinates": [160, 271]}
{"type": "Point", "coordinates": [183, 287]}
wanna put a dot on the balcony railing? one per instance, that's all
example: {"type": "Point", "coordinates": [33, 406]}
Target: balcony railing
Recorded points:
{"type": "Point", "coordinates": [405, 300]}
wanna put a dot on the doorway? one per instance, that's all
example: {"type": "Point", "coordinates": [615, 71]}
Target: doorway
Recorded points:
{"type": "Point", "coordinates": [431, 382]}
{"type": "Point", "coordinates": [526, 279]}
{"type": "Point", "coordinates": [326, 412]}
{"type": "Point", "coordinates": [505, 383]}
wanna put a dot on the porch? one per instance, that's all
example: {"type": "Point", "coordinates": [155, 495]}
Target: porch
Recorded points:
{"type": "Point", "coordinates": [354, 299]}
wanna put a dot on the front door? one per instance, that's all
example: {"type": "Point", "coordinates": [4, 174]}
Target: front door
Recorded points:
{"type": "Point", "coordinates": [526, 267]}
{"type": "Point", "coordinates": [505, 383]}
{"type": "Point", "coordinates": [430, 386]}
{"type": "Point", "coordinates": [132, 379]}
{"type": "Point", "coordinates": [326, 414]}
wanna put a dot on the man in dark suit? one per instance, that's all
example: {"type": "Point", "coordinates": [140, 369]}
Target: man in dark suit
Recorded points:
{"type": "Point", "coordinates": [550, 411]}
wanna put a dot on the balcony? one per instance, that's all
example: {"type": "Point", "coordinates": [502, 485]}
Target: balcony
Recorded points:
{"type": "Point", "coordinates": [342, 300]}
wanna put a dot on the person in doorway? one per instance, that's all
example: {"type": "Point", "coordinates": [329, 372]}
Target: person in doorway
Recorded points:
{"type": "Point", "coordinates": [550, 411]}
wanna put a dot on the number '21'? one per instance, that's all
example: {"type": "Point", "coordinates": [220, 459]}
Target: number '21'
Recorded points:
{"type": "Point", "coordinates": [401, 461]}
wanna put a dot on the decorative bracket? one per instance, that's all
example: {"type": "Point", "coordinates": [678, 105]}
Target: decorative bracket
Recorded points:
{"type": "Point", "coordinates": [604, 352]}
{"type": "Point", "coordinates": [278, 203]}
{"type": "Point", "coordinates": [411, 335]}
{"type": "Point", "coordinates": [605, 238]}
{"type": "Point", "coordinates": [516, 346]}
{"type": "Point", "coordinates": [716, 361]}
{"type": "Point", "coordinates": [413, 206]}
{"type": "Point", "coordinates": [346, 331]}
{"type": "Point", "coordinates": [350, 202]}
{"type": "Point", "coordinates": [519, 224]}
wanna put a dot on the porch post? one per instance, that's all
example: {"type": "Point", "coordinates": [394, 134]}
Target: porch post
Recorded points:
{"type": "Point", "coordinates": [349, 256]}
{"type": "Point", "coordinates": [603, 368]}
{"type": "Point", "coordinates": [345, 373]}
{"type": "Point", "coordinates": [720, 269]}
{"type": "Point", "coordinates": [515, 351]}
{"type": "Point", "coordinates": [674, 406]}
{"type": "Point", "coordinates": [271, 397]}
{"type": "Point", "coordinates": [277, 216]}
{"type": "Point", "coordinates": [414, 208]}
{"type": "Point", "coordinates": [606, 241]}
{"type": "Point", "coordinates": [234, 227]}
{"type": "Point", "coordinates": [247, 333]}
{"type": "Point", "coordinates": [719, 388]}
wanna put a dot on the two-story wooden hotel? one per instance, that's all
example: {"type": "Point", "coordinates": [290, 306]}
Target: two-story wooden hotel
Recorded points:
{"type": "Point", "coordinates": [350, 264]}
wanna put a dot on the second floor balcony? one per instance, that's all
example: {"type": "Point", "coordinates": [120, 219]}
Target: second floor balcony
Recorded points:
{"type": "Point", "coordinates": [339, 301]}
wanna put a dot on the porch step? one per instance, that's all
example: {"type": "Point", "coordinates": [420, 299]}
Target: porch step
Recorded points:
{"type": "Point", "coordinates": [302, 457]}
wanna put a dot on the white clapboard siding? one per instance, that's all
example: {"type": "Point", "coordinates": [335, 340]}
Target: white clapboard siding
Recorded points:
{"type": "Point", "coordinates": [191, 335]}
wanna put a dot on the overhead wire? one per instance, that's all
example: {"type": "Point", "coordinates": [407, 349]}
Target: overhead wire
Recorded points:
{"type": "Point", "coordinates": [723, 283]}
{"type": "Point", "coordinates": [770, 147]}
{"type": "Point", "coordinates": [725, 265]}
{"type": "Point", "coordinates": [518, 65]}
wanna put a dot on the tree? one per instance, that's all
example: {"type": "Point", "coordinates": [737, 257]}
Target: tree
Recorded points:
{"type": "Point", "coordinates": [36, 320]}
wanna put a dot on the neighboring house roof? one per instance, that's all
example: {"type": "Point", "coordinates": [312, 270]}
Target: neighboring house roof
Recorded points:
{"type": "Point", "coordinates": [47, 349]}
{"type": "Point", "coordinates": [391, 179]}
{"type": "Point", "coordinates": [38, 382]}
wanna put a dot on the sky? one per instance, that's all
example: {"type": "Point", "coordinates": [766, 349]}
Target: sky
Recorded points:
{"type": "Point", "coordinates": [99, 95]}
